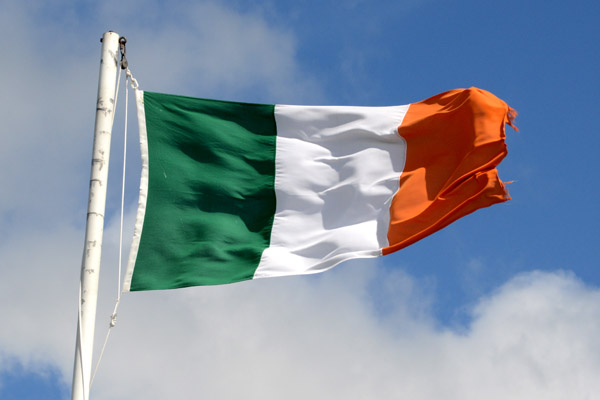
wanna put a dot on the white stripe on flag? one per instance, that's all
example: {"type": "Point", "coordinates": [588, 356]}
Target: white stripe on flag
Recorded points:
{"type": "Point", "coordinates": [337, 169]}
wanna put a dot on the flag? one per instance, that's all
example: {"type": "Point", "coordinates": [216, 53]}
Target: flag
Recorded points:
{"type": "Point", "coordinates": [236, 191]}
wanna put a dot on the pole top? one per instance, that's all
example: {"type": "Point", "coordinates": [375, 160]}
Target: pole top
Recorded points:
{"type": "Point", "coordinates": [106, 33]}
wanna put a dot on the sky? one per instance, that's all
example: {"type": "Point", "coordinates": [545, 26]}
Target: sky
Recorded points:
{"type": "Point", "coordinates": [504, 303]}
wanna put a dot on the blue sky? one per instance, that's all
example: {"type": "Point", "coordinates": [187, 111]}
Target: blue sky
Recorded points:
{"type": "Point", "coordinates": [504, 303]}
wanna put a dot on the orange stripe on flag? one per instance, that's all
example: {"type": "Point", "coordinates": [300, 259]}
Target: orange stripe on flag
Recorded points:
{"type": "Point", "coordinates": [454, 142]}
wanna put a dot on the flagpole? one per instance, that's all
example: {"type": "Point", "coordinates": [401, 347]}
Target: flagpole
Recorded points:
{"type": "Point", "coordinates": [90, 266]}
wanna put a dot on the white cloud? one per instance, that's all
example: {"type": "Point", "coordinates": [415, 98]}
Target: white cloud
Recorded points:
{"type": "Point", "coordinates": [207, 49]}
{"type": "Point", "coordinates": [536, 337]}
{"type": "Point", "coordinates": [47, 103]}
{"type": "Point", "coordinates": [38, 298]}
{"type": "Point", "coordinates": [317, 337]}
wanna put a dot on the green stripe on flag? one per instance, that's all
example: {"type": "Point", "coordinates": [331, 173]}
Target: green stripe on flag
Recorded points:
{"type": "Point", "coordinates": [211, 201]}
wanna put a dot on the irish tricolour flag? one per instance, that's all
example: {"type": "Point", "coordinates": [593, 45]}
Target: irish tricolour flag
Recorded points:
{"type": "Point", "coordinates": [236, 191]}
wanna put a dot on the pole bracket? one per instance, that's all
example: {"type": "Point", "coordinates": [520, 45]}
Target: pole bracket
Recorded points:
{"type": "Point", "coordinates": [123, 49]}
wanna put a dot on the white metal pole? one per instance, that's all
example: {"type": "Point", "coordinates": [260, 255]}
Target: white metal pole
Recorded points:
{"type": "Point", "coordinates": [90, 266]}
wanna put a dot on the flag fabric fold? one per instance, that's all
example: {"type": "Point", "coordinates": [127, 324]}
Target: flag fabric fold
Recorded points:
{"type": "Point", "coordinates": [237, 191]}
